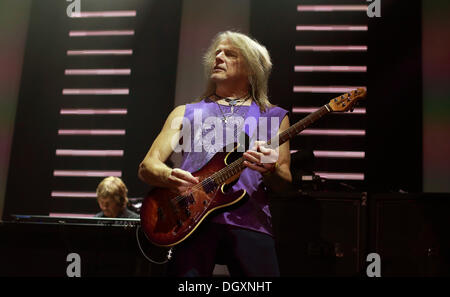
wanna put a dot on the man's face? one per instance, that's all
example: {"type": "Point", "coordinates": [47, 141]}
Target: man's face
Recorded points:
{"type": "Point", "coordinates": [109, 206]}
{"type": "Point", "coordinates": [229, 64]}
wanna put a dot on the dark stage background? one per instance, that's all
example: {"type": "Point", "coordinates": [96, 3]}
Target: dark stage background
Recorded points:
{"type": "Point", "coordinates": [379, 152]}
{"type": "Point", "coordinates": [136, 104]}
{"type": "Point", "coordinates": [371, 162]}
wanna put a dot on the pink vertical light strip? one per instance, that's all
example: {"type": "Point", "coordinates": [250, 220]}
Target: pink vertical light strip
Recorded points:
{"type": "Point", "coordinates": [331, 48]}
{"type": "Point", "coordinates": [97, 72]}
{"type": "Point", "coordinates": [340, 154]}
{"type": "Point", "coordinates": [89, 153]}
{"type": "Point", "coordinates": [104, 14]}
{"type": "Point", "coordinates": [95, 91]}
{"type": "Point", "coordinates": [325, 89]}
{"type": "Point", "coordinates": [336, 154]}
{"type": "Point", "coordinates": [327, 8]}
{"type": "Point", "coordinates": [336, 175]}
{"type": "Point", "coordinates": [101, 33]}
{"type": "Point", "coordinates": [302, 68]}
{"type": "Point", "coordinates": [64, 194]}
{"type": "Point", "coordinates": [333, 132]}
{"type": "Point", "coordinates": [86, 173]}
{"type": "Point", "coordinates": [91, 132]}
{"type": "Point", "coordinates": [331, 28]}
{"type": "Point", "coordinates": [360, 110]}
{"type": "Point", "coordinates": [99, 52]}
{"type": "Point", "coordinates": [93, 111]}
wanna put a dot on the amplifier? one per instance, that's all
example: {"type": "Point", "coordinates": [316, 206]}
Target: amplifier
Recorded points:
{"type": "Point", "coordinates": [319, 233]}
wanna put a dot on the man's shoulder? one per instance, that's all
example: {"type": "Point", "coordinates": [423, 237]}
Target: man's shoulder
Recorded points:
{"type": "Point", "coordinates": [130, 214]}
{"type": "Point", "coordinates": [179, 108]}
{"type": "Point", "coordinates": [177, 112]}
{"type": "Point", "coordinates": [188, 109]}
{"type": "Point", "coordinates": [196, 102]}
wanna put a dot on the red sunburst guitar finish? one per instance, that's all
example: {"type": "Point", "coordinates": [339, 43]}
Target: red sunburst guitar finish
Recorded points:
{"type": "Point", "coordinates": [167, 218]}
{"type": "Point", "coordinates": [170, 218]}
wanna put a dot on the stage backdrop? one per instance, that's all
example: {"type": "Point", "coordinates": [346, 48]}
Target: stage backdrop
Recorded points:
{"type": "Point", "coordinates": [95, 89]}
{"type": "Point", "coordinates": [436, 96]}
{"type": "Point", "coordinates": [14, 17]}
{"type": "Point", "coordinates": [46, 60]}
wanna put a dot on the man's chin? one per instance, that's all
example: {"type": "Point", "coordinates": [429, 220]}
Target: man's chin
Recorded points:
{"type": "Point", "coordinates": [218, 76]}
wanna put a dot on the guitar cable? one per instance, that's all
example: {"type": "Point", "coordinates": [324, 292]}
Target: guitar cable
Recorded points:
{"type": "Point", "coordinates": [169, 253]}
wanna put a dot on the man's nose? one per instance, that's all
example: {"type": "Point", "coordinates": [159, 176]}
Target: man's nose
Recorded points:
{"type": "Point", "coordinates": [219, 56]}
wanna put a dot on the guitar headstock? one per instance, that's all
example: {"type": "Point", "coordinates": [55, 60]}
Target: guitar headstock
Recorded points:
{"type": "Point", "coordinates": [348, 100]}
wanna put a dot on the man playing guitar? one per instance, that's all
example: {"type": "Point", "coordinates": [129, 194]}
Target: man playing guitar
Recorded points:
{"type": "Point", "coordinates": [240, 236]}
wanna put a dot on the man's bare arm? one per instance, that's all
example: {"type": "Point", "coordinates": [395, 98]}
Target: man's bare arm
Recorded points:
{"type": "Point", "coordinates": [278, 176]}
{"type": "Point", "coordinates": [278, 180]}
{"type": "Point", "coordinates": [153, 170]}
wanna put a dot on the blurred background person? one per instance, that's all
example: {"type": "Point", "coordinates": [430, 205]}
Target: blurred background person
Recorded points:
{"type": "Point", "coordinates": [112, 199]}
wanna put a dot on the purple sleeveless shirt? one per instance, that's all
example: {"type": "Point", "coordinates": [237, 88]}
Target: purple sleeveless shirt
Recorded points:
{"type": "Point", "coordinates": [203, 124]}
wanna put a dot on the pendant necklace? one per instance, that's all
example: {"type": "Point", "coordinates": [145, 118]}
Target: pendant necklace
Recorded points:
{"type": "Point", "coordinates": [232, 102]}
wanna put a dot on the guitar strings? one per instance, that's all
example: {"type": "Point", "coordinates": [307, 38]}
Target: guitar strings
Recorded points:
{"type": "Point", "coordinates": [238, 163]}
{"type": "Point", "coordinates": [305, 122]}
{"type": "Point", "coordinates": [229, 168]}
{"type": "Point", "coordinates": [213, 176]}
{"type": "Point", "coordinates": [196, 188]}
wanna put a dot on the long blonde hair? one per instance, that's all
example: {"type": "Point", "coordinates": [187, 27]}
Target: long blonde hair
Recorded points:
{"type": "Point", "coordinates": [257, 60]}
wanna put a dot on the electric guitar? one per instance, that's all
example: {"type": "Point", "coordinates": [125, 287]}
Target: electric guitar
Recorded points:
{"type": "Point", "coordinates": [167, 218]}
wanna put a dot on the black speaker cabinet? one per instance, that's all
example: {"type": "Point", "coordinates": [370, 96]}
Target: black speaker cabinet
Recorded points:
{"type": "Point", "coordinates": [319, 233]}
{"type": "Point", "coordinates": [411, 233]}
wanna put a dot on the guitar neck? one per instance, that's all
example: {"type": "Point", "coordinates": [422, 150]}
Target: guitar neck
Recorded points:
{"type": "Point", "coordinates": [237, 166]}
{"type": "Point", "coordinates": [298, 127]}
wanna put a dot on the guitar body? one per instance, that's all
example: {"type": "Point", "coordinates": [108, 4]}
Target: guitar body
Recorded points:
{"type": "Point", "coordinates": [167, 218]}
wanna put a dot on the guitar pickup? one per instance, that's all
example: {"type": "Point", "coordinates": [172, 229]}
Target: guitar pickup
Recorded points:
{"type": "Point", "coordinates": [209, 185]}
{"type": "Point", "coordinates": [190, 199]}
{"type": "Point", "coordinates": [179, 223]}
